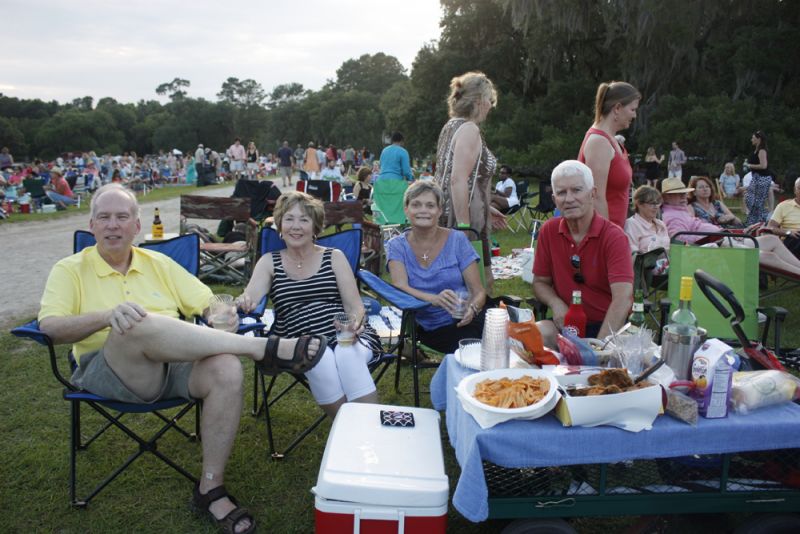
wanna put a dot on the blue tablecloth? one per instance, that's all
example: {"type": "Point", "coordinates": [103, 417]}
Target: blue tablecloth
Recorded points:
{"type": "Point", "coordinates": [545, 442]}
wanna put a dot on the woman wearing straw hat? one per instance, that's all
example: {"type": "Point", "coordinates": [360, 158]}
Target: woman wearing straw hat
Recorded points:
{"type": "Point", "coordinates": [679, 217]}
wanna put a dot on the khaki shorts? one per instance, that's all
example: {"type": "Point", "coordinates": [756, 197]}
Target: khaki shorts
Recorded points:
{"type": "Point", "coordinates": [286, 172]}
{"type": "Point", "coordinates": [95, 375]}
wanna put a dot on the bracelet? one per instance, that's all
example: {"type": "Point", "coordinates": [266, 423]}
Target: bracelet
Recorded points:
{"type": "Point", "coordinates": [462, 225]}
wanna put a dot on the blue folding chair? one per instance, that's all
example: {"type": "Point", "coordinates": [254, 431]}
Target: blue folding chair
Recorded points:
{"type": "Point", "coordinates": [185, 249]}
{"type": "Point", "coordinates": [409, 305]}
{"type": "Point", "coordinates": [349, 242]}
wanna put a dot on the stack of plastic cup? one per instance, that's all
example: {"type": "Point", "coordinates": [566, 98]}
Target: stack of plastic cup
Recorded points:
{"type": "Point", "coordinates": [494, 345]}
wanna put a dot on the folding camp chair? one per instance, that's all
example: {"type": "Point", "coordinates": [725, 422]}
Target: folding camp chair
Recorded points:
{"type": "Point", "coordinates": [185, 247]}
{"type": "Point", "coordinates": [349, 242]}
{"type": "Point", "coordinates": [517, 216]}
{"type": "Point", "coordinates": [738, 268]}
{"type": "Point", "coordinates": [546, 206]}
{"type": "Point", "coordinates": [338, 214]}
{"type": "Point", "coordinates": [387, 206]}
{"type": "Point", "coordinates": [324, 190]}
{"type": "Point", "coordinates": [227, 260]}
{"type": "Point", "coordinates": [35, 188]}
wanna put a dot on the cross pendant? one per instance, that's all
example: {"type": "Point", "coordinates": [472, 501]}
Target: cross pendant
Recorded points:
{"type": "Point", "coordinates": [425, 257]}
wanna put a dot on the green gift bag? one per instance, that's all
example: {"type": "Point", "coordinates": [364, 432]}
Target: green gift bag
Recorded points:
{"type": "Point", "coordinates": [735, 267]}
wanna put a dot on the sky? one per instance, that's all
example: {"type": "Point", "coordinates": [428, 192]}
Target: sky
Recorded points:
{"type": "Point", "coordinates": [61, 50]}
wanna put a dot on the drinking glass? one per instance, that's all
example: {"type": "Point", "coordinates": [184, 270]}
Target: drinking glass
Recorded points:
{"type": "Point", "coordinates": [345, 324]}
{"type": "Point", "coordinates": [222, 312]}
{"type": "Point", "coordinates": [461, 307]}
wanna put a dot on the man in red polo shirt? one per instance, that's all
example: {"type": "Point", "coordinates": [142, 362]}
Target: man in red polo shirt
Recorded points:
{"type": "Point", "coordinates": [584, 251]}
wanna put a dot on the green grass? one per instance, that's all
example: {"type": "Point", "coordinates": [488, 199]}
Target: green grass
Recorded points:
{"type": "Point", "coordinates": [152, 498]}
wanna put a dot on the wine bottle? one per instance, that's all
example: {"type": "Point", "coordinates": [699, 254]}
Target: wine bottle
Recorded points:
{"type": "Point", "coordinates": [575, 319]}
{"type": "Point", "coordinates": [683, 320]}
{"type": "Point", "coordinates": [157, 230]}
{"type": "Point", "coordinates": [637, 316]}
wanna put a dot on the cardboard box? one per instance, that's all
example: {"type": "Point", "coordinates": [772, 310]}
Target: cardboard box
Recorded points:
{"type": "Point", "coordinates": [632, 410]}
{"type": "Point", "coordinates": [375, 478]}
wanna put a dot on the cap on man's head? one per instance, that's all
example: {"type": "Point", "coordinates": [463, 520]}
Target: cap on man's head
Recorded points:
{"type": "Point", "coordinates": [200, 145]}
{"type": "Point", "coordinates": [674, 185]}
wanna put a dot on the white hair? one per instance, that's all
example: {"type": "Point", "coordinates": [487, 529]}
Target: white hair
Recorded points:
{"type": "Point", "coordinates": [114, 187]}
{"type": "Point", "coordinates": [572, 167]}
{"type": "Point", "coordinates": [797, 183]}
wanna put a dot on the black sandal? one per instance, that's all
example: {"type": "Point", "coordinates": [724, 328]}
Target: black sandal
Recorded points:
{"type": "Point", "coordinates": [201, 502]}
{"type": "Point", "coordinates": [301, 361]}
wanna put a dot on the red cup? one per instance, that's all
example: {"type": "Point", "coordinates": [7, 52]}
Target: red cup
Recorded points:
{"type": "Point", "coordinates": [495, 251]}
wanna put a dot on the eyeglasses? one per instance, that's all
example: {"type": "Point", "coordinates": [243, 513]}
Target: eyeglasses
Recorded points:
{"type": "Point", "coordinates": [575, 261]}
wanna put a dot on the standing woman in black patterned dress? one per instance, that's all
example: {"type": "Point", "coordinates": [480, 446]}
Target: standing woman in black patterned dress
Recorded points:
{"type": "Point", "coordinates": [758, 191]}
{"type": "Point", "coordinates": [465, 165]}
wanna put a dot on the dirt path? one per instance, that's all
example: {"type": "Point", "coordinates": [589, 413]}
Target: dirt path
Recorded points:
{"type": "Point", "coordinates": [29, 250]}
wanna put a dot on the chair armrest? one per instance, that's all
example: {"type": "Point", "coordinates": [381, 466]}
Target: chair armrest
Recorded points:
{"type": "Point", "coordinates": [396, 297]}
{"type": "Point", "coordinates": [32, 331]}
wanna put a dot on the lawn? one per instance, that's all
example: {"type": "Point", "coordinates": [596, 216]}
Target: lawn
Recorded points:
{"type": "Point", "coordinates": [150, 498]}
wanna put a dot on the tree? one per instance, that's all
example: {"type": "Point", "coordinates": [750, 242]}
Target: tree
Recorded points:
{"type": "Point", "coordinates": [287, 92]}
{"type": "Point", "coordinates": [244, 93]}
{"type": "Point", "coordinates": [173, 89]}
{"type": "Point", "coordinates": [370, 73]}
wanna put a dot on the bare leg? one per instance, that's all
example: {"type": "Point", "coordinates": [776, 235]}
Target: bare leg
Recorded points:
{"type": "Point", "coordinates": [770, 259]}
{"type": "Point", "coordinates": [773, 244]}
{"type": "Point", "coordinates": [218, 381]}
{"type": "Point", "coordinates": [369, 398]}
{"type": "Point", "coordinates": [331, 409]}
{"type": "Point", "coordinates": [137, 356]}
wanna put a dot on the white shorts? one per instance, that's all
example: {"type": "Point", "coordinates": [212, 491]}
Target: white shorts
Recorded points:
{"type": "Point", "coordinates": [675, 174]}
{"type": "Point", "coordinates": [342, 372]}
{"type": "Point", "coordinates": [237, 166]}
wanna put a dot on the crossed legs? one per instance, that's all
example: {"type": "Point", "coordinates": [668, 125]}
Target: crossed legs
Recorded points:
{"type": "Point", "coordinates": [138, 355]}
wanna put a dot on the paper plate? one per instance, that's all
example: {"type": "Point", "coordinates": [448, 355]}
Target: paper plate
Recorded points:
{"type": "Point", "coordinates": [488, 416]}
{"type": "Point", "coordinates": [471, 357]}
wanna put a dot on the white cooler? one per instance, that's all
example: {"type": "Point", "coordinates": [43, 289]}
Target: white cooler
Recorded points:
{"type": "Point", "coordinates": [382, 479]}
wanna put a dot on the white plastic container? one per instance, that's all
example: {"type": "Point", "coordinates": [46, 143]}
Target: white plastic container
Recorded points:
{"type": "Point", "coordinates": [381, 479]}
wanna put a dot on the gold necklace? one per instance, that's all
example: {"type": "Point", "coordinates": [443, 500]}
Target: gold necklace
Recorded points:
{"type": "Point", "coordinates": [298, 263]}
{"type": "Point", "coordinates": [425, 256]}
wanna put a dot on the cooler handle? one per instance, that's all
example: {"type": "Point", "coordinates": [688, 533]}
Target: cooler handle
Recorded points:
{"type": "Point", "coordinates": [380, 515]}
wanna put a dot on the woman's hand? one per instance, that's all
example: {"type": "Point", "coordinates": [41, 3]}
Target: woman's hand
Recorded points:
{"type": "Point", "coordinates": [446, 299]}
{"type": "Point", "coordinates": [499, 221]}
{"type": "Point", "coordinates": [245, 303]}
{"type": "Point", "coordinates": [469, 316]}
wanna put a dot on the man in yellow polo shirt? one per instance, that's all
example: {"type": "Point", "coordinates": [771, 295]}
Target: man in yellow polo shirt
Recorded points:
{"type": "Point", "coordinates": [785, 221]}
{"type": "Point", "coordinates": [118, 305]}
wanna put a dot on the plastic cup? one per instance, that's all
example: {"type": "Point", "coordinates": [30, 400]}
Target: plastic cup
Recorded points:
{"type": "Point", "coordinates": [345, 324]}
{"type": "Point", "coordinates": [222, 312]}
{"type": "Point", "coordinates": [461, 307]}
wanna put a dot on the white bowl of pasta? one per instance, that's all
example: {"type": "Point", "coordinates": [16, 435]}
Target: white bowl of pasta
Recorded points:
{"type": "Point", "coordinates": [492, 397]}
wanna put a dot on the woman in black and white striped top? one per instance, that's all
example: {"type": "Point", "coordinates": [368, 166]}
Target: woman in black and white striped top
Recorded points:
{"type": "Point", "coordinates": [308, 285]}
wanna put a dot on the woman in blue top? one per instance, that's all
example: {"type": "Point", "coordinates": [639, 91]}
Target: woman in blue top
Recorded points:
{"type": "Point", "coordinates": [434, 263]}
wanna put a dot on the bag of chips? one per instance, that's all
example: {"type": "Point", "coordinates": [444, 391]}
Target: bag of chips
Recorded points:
{"type": "Point", "coordinates": [525, 338]}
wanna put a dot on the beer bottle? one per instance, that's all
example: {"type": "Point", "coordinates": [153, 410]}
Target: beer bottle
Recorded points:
{"type": "Point", "coordinates": [636, 317]}
{"type": "Point", "coordinates": [158, 228]}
